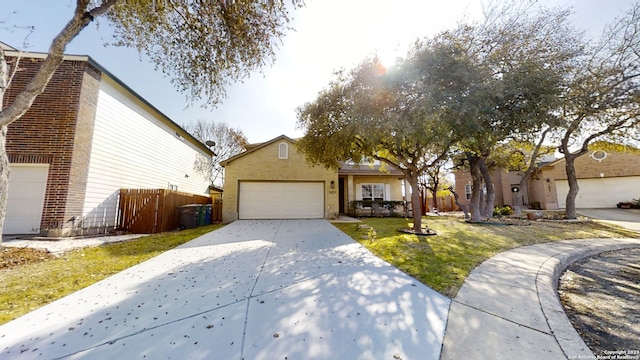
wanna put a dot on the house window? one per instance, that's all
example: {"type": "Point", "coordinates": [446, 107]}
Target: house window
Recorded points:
{"type": "Point", "coordinates": [467, 191]}
{"type": "Point", "coordinates": [372, 192]}
{"type": "Point", "coordinates": [283, 151]}
{"type": "Point", "coordinates": [173, 187]}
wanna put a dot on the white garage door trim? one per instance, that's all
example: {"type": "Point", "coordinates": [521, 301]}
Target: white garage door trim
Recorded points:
{"type": "Point", "coordinates": [600, 192]}
{"type": "Point", "coordinates": [281, 200]}
{"type": "Point", "coordinates": [25, 200]}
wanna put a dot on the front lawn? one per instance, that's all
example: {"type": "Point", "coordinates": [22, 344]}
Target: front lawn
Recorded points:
{"type": "Point", "coordinates": [28, 287]}
{"type": "Point", "coordinates": [444, 261]}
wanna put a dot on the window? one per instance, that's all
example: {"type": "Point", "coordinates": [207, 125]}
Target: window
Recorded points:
{"type": "Point", "coordinates": [372, 192]}
{"type": "Point", "coordinates": [173, 187]}
{"type": "Point", "coordinates": [467, 191]}
{"type": "Point", "coordinates": [283, 151]}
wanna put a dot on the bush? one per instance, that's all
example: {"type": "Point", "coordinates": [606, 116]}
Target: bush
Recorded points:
{"type": "Point", "coordinates": [635, 204]}
{"type": "Point", "coordinates": [502, 211]}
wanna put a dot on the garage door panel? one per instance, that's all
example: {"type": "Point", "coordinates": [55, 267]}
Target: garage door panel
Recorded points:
{"type": "Point", "coordinates": [281, 200]}
{"type": "Point", "coordinates": [25, 199]}
{"type": "Point", "coordinates": [599, 193]}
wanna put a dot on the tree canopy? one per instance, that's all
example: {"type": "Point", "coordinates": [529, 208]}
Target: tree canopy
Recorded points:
{"type": "Point", "coordinates": [373, 112]}
{"type": "Point", "coordinates": [498, 80]}
{"type": "Point", "coordinates": [227, 143]}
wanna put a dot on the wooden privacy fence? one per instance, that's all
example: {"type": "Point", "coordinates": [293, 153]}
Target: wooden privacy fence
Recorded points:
{"type": "Point", "coordinates": [148, 211]}
{"type": "Point", "coordinates": [445, 203]}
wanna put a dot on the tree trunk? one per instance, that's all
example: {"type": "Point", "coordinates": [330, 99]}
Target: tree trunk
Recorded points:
{"type": "Point", "coordinates": [491, 192]}
{"type": "Point", "coordinates": [476, 191]}
{"type": "Point", "coordinates": [4, 159]}
{"type": "Point", "coordinates": [462, 207]}
{"type": "Point", "coordinates": [434, 192]}
{"type": "Point", "coordinates": [415, 203]}
{"type": "Point", "coordinates": [4, 177]}
{"type": "Point", "coordinates": [570, 206]}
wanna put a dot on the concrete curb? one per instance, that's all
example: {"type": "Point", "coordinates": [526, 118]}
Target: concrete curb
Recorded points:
{"type": "Point", "coordinates": [547, 287]}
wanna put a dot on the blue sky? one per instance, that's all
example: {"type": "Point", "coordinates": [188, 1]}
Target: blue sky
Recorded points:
{"type": "Point", "coordinates": [329, 35]}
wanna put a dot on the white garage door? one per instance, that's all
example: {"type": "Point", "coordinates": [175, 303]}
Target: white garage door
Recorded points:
{"type": "Point", "coordinates": [27, 186]}
{"type": "Point", "coordinates": [281, 200]}
{"type": "Point", "coordinates": [600, 193]}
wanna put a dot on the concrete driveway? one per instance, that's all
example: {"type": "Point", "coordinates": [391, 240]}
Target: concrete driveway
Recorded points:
{"type": "Point", "coordinates": [627, 218]}
{"type": "Point", "coordinates": [251, 290]}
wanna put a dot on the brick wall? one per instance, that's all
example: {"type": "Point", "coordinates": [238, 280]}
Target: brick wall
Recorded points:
{"type": "Point", "coordinates": [46, 133]}
{"type": "Point", "coordinates": [613, 165]}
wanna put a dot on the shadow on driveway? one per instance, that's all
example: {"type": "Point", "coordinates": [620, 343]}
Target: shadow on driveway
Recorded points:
{"type": "Point", "coordinates": [250, 290]}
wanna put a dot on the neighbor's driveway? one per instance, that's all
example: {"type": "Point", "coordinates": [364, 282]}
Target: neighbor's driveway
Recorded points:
{"type": "Point", "coordinates": [627, 218]}
{"type": "Point", "coordinates": [251, 290]}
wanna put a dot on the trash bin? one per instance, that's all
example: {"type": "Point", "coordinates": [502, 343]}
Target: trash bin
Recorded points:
{"type": "Point", "coordinates": [208, 220]}
{"type": "Point", "coordinates": [201, 215]}
{"type": "Point", "coordinates": [188, 216]}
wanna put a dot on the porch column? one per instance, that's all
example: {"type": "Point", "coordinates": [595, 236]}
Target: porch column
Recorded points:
{"type": "Point", "coordinates": [351, 193]}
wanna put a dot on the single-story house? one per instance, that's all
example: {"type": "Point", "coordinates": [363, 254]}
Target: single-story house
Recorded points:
{"type": "Point", "coordinates": [272, 180]}
{"type": "Point", "coordinates": [604, 177]}
{"type": "Point", "coordinates": [87, 136]}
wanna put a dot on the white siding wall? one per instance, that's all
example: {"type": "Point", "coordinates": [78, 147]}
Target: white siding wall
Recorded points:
{"type": "Point", "coordinates": [133, 149]}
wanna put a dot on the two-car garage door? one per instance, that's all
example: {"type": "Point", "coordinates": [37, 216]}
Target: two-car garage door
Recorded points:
{"type": "Point", "coordinates": [281, 200]}
{"type": "Point", "coordinates": [600, 192]}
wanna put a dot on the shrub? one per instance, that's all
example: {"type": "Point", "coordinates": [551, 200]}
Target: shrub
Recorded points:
{"type": "Point", "coordinates": [502, 211]}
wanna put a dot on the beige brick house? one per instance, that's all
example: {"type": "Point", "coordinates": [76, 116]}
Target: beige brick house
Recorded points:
{"type": "Point", "coordinates": [272, 180]}
{"type": "Point", "coordinates": [604, 177]}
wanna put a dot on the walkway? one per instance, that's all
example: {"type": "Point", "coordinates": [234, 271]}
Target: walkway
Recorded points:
{"type": "Point", "coordinates": [250, 290]}
{"type": "Point", "coordinates": [508, 307]}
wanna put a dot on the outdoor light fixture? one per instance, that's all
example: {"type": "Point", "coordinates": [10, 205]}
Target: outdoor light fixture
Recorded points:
{"type": "Point", "coordinates": [333, 184]}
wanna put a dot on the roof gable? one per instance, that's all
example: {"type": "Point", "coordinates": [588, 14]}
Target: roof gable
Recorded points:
{"type": "Point", "coordinates": [251, 148]}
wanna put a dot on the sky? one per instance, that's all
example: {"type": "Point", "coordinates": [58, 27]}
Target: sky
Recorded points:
{"type": "Point", "coordinates": [328, 35]}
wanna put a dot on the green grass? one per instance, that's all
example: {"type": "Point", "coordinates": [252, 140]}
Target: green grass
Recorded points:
{"type": "Point", "coordinates": [26, 288]}
{"type": "Point", "coordinates": [444, 261]}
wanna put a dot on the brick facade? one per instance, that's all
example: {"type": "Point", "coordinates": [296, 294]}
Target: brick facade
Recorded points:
{"type": "Point", "coordinates": [57, 131]}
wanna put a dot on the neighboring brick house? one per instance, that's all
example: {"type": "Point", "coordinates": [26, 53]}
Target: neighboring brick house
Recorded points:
{"type": "Point", "coordinates": [84, 138]}
{"type": "Point", "coordinates": [604, 177]}
{"type": "Point", "coordinates": [272, 180]}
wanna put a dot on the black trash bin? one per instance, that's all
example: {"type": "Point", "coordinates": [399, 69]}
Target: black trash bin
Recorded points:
{"type": "Point", "coordinates": [188, 216]}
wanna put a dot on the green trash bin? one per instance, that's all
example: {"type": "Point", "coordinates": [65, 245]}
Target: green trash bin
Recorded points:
{"type": "Point", "coordinates": [202, 212]}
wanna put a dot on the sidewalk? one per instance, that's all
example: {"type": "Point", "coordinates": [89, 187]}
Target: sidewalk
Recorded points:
{"type": "Point", "coordinates": [59, 246]}
{"type": "Point", "coordinates": [508, 307]}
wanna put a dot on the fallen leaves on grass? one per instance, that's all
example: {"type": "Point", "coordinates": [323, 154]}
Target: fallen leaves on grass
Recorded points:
{"type": "Point", "coordinates": [11, 257]}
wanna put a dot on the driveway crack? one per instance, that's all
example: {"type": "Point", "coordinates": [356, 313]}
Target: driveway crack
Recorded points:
{"type": "Point", "coordinates": [255, 283]}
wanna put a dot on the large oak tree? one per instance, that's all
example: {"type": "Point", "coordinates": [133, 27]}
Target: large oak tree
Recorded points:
{"type": "Point", "coordinates": [498, 80]}
{"type": "Point", "coordinates": [200, 45]}
{"type": "Point", "coordinates": [370, 112]}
